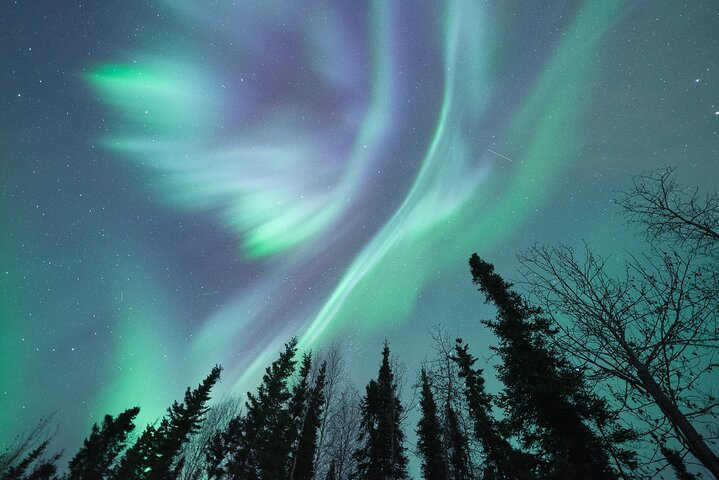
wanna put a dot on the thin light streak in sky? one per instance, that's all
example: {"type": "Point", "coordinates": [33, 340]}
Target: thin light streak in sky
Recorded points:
{"type": "Point", "coordinates": [192, 183]}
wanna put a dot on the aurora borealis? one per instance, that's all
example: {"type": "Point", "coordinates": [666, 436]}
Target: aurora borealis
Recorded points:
{"type": "Point", "coordinates": [189, 183]}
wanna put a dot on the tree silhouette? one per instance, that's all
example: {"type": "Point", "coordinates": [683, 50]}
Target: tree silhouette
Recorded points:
{"type": "Point", "coordinates": [649, 330]}
{"type": "Point", "coordinates": [502, 461]}
{"type": "Point", "coordinates": [382, 452]}
{"type": "Point", "coordinates": [546, 401]}
{"type": "Point", "coordinates": [334, 439]}
{"type": "Point", "coordinates": [291, 422]}
{"type": "Point", "coordinates": [304, 458]}
{"type": "Point", "coordinates": [446, 385]}
{"type": "Point", "coordinates": [460, 466]}
{"type": "Point", "coordinates": [97, 456]}
{"type": "Point", "coordinates": [33, 466]}
{"type": "Point", "coordinates": [215, 420]}
{"type": "Point", "coordinates": [343, 432]}
{"type": "Point", "coordinates": [668, 210]}
{"type": "Point", "coordinates": [155, 454]}
{"type": "Point", "coordinates": [24, 458]}
{"type": "Point", "coordinates": [254, 444]}
{"type": "Point", "coordinates": [429, 435]}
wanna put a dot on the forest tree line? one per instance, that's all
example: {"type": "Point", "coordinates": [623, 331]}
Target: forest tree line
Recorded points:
{"type": "Point", "coordinates": [606, 373]}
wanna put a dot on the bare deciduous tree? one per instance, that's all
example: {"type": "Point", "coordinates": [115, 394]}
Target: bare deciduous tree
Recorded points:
{"type": "Point", "coordinates": [463, 449]}
{"type": "Point", "coordinates": [216, 419]}
{"type": "Point", "coordinates": [652, 327]}
{"type": "Point", "coordinates": [335, 375]}
{"type": "Point", "coordinates": [669, 210]}
{"type": "Point", "coordinates": [342, 432]}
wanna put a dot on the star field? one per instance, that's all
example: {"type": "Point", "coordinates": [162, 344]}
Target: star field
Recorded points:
{"type": "Point", "coordinates": [186, 184]}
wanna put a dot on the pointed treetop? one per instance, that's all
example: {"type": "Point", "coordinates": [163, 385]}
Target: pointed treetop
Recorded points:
{"type": "Point", "coordinates": [385, 370]}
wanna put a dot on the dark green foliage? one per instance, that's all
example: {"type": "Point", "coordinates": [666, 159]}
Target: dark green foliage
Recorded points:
{"type": "Point", "coordinates": [45, 470]}
{"type": "Point", "coordinates": [218, 450]}
{"type": "Point", "coordinates": [185, 418]}
{"type": "Point", "coordinates": [277, 437]}
{"type": "Point", "coordinates": [382, 454]}
{"type": "Point", "coordinates": [553, 427]}
{"type": "Point", "coordinates": [429, 434]}
{"type": "Point", "coordinates": [457, 447]}
{"type": "Point", "coordinates": [502, 461]}
{"type": "Point", "coordinates": [293, 418]}
{"type": "Point", "coordinates": [546, 401]}
{"type": "Point", "coordinates": [257, 444]}
{"type": "Point", "coordinates": [134, 464]}
{"type": "Point", "coordinates": [42, 469]}
{"type": "Point", "coordinates": [304, 466]}
{"type": "Point", "coordinates": [675, 460]}
{"type": "Point", "coordinates": [95, 459]}
{"type": "Point", "coordinates": [155, 454]}
{"type": "Point", "coordinates": [24, 458]}
{"type": "Point", "coordinates": [18, 471]}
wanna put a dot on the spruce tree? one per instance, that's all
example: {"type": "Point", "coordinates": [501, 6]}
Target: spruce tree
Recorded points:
{"type": "Point", "coordinates": [252, 443]}
{"type": "Point", "coordinates": [547, 403]}
{"type": "Point", "coordinates": [184, 419]}
{"type": "Point", "coordinates": [502, 461]}
{"type": "Point", "coordinates": [292, 420]}
{"type": "Point", "coordinates": [382, 454]}
{"type": "Point", "coordinates": [135, 462]}
{"type": "Point", "coordinates": [457, 447]}
{"type": "Point", "coordinates": [218, 449]}
{"type": "Point", "coordinates": [429, 434]}
{"type": "Point", "coordinates": [45, 470]}
{"type": "Point", "coordinates": [675, 460]}
{"type": "Point", "coordinates": [95, 459]}
{"type": "Point", "coordinates": [32, 466]}
{"type": "Point", "coordinates": [155, 454]}
{"type": "Point", "coordinates": [304, 459]}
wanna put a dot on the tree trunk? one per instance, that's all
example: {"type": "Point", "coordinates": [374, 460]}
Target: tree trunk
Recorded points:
{"type": "Point", "coordinates": [695, 442]}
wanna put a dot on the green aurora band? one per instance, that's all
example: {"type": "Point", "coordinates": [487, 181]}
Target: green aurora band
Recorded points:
{"type": "Point", "coordinates": [190, 183]}
{"type": "Point", "coordinates": [258, 186]}
{"type": "Point", "coordinates": [437, 216]}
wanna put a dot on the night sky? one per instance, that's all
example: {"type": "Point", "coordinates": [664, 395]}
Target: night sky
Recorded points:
{"type": "Point", "coordinates": [187, 183]}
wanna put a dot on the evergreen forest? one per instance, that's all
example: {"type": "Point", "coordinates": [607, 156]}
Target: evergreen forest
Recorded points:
{"type": "Point", "coordinates": [605, 374]}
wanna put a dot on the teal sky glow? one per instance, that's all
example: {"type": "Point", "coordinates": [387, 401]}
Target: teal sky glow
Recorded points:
{"type": "Point", "coordinates": [189, 184]}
